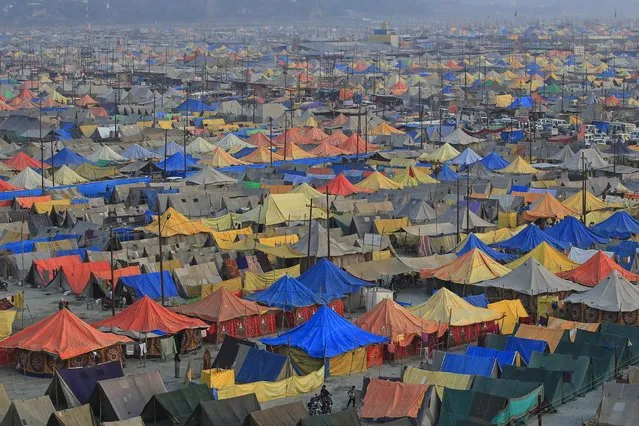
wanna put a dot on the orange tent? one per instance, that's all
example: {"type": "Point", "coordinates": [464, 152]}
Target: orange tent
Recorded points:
{"type": "Point", "coordinates": [6, 107]}
{"type": "Point", "coordinates": [28, 202]}
{"type": "Point", "coordinates": [547, 207]}
{"type": "Point", "coordinates": [86, 101]}
{"type": "Point", "coordinates": [21, 161]}
{"type": "Point", "coordinates": [338, 121]}
{"type": "Point", "coordinates": [105, 275]}
{"type": "Point", "coordinates": [293, 135]}
{"type": "Point", "coordinates": [146, 316]}
{"type": "Point", "coordinates": [315, 135]}
{"type": "Point", "coordinates": [48, 103]}
{"type": "Point", "coordinates": [259, 140]}
{"type": "Point", "coordinates": [356, 144]}
{"type": "Point", "coordinates": [391, 320]}
{"type": "Point", "coordinates": [262, 155]}
{"type": "Point", "coordinates": [20, 103]}
{"type": "Point", "coordinates": [341, 186]}
{"type": "Point", "coordinates": [76, 275]}
{"type": "Point", "coordinates": [26, 94]}
{"type": "Point", "coordinates": [390, 400]}
{"type": "Point", "coordinates": [293, 152]}
{"type": "Point", "coordinates": [325, 149]}
{"type": "Point", "coordinates": [6, 186]}
{"type": "Point", "coordinates": [44, 270]}
{"type": "Point", "coordinates": [61, 336]}
{"type": "Point", "coordinates": [470, 268]}
{"type": "Point", "coordinates": [596, 269]}
{"type": "Point", "coordinates": [399, 88]}
{"type": "Point", "coordinates": [336, 138]}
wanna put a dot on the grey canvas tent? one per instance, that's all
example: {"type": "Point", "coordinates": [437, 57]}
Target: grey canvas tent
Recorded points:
{"type": "Point", "coordinates": [280, 415]}
{"type": "Point", "coordinates": [28, 412]}
{"type": "Point", "coordinates": [619, 405]}
{"type": "Point", "coordinates": [4, 401]}
{"type": "Point", "coordinates": [76, 416]}
{"type": "Point", "coordinates": [175, 407]}
{"type": "Point", "coordinates": [224, 412]}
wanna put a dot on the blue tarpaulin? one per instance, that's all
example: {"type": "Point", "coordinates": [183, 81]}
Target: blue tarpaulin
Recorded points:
{"type": "Point", "coordinates": [194, 105]}
{"type": "Point", "coordinates": [287, 293]}
{"type": "Point", "coordinates": [503, 357]}
{"type": "Point", "coordinates": [171, 148]}
{"type": "Point", "coordinates": [136, 152]}
{"type": "Point", "coordinates": [620, 225]}
{"type": "Point", "coordinates": [66, 157]}
{"type": "Point", "coordinates": [493, 161]}
{"type": "Point", "coordinates": [512, 136]}
{"type": "Point", "coordinates": [105, 188]}
{"type": "Point", "coordinates": [473, 242]}
{"type": "Point", "coordinates": [525, 347]}
{"type": "Point", "coordinates": [150, 285]}
{"type": "Point", "coordinates": [82, 381]}
{"type": "Point", "coordinates": [529, 238]}
{"type": "Point", "coordinates": [466, 364]}
{"type": "Point", "coordinates": [446, 174]}
{"type": "Point", "coordinates": [573, 231]}
{"type": "Point", "coordinates": [326, 334]}
{"type": "Point", "coordinates": [466, 158]}
{"type": "Point", "coordinates": [175, 163]}
{"type": "Point", "coordinates": [260, 365]}
{"type": "Point", "coordinates": [522, 102]}
{"type": "Point", "coordinates": [329, 281]}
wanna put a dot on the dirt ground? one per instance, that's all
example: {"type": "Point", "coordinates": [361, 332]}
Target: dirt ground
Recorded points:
{"type": "Point", "coordinates": [44, 302]}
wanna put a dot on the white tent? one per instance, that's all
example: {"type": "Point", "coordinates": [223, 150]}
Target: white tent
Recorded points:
{"type": "Point", "coordinates": [29, 179]}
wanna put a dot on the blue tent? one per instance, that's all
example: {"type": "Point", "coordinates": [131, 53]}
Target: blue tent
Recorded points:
{"type": "Point", "coordinates": [620, 225]}
{"type": "Point", "coordinates": [503, 357]}
{"type": "Point", "coordinates": [473, 242]}
{"type": "Point", "coordinates": [326, 334]}
{"type": "Point", "coordinates": [493, 161]}
{"type": "Point", "coordinates": [466, 158]}
{"type": "Point", "coordinates": [193, 105]}
{"type": "Point", "coordinates": [525, 347]}
{"type": "Point", "coordinates": [512, 136]}
{"type": "Point", "coordinates": [171, 148]}
{"type": "Point", "coordinates": [287, 293]}
{"type": "Point", "coordinates": [262, 366]}
{"type": "Point", "coordinates": [66, 157]}
{"type": "Point", "coordinates": [446, 174]}
{"type": "Point", "coordinates": [328, 280]}
{"type": "Point", "coordinates": [573, 231]}
{"type": "Point", "coordinates": [150, 285]}
{"type": "Point", "coordinates": [522, 102]}
{"type": "Point", "coordinates": [175, 163]}
{"type": "Point", "coordinates": [136, 152]}
{"type": "Point", "coordinates": [466, 364]}
{"type": "Point", "coordinates": [529, 238]}
{"type": "Point", "coordinates": [81, 382]}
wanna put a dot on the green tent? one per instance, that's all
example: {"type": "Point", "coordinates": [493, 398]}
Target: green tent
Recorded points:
{"type": "Point", "coordinates": [629, 331]}
{"type": "Point", "coordinates": [174, 408]}
{"type": "Point", "coordinates": [553, 381]}
{"type": "Point", "coordinates": [347, 417]}
{"type": "Point", "coordinates": [578, 377]}
{"type": "Point", "coordinates": [602, 359]}
{"type": "Point", "coordinates": [620, 343]}
{"type": "Point", "coordinates": [224, 412]}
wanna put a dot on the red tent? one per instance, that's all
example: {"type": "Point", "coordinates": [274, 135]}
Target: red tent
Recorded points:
{"type": "Point", "coordinates": [43, 271]}
{"type": "Point", "coordinates": [259, 140]}
{"type": "Point", "coordinates": [25, 94]}
{"type": "Point", "coordinates": [315, 135]}
{"type": "Point", "coordinates": [86, 101]}
{"type": "Point", "coordinates": [117, 273]}
{"type": "Point", "coordinates": [6, 186]}
{"type": "Point", "coordinates": [341, 186]}
{"type": "Point", "coordinates": [75, 276]}
{"type": "Point", "coordinates": [293, 134]}
{"type": "Point", "coordinates": [325, 149]}
{"type": "Point", "coordinates": [231, 315]}
{"type": "Point", "coordinates": [62, 336]}
{"type": "Point", "coordinates": [5, 107]}
{"type": "Point", "coordinates": [356, 144]}
{"type": "Point", "coordinates": [21, 161]}
{"type": "Point", "coordinates": [399, 88]}
{"type": "Point", "coordinates": [596, 269]}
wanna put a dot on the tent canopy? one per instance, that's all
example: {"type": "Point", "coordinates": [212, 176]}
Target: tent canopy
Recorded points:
{"type": "Point", "coordinates": [330, 281]}
{"type": "Point", "coordinates": [472, 242]}
{"type": "Point", "coordinates": [221, 305]}
{"type": "Point", "coordinates": [620, 225]}
{"type": "Point", "coordinates": [529, 238]}
{"type": "Point", "coordinates": [572, 230]}
{"type": "Point", "coordinates": [613, 294]}
{"type": "Point", "coordinates": [595, 269]}
{"type": "Point", "coordinates": [470, 268]}
{"type": "Point", "coordinates": [447, 307]}
{"type": "Point", "coordinates": [287, 293]}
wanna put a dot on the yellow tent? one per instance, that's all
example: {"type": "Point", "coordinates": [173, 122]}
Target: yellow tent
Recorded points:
{"type": "Point", "coordinates": [376, 181]}
{"type": "Point", "coordinates": [502, 101]}
{"type": "Point", "coordinates": [511, 310]}
{"type": "Point", "coordinates": [446, 307]}
{"type": "Point", "coordinates": [174, 223]}
{"type": "Point", "coordinates": [262, 155]}
{"type": "Point", "coordinates": [470, 268]}
{"type": "Point", "coordinates": [6, 323]}
{"type": "Point", "coordinates": [575, 202]}
{"type": "Point", "coordinates": [501, 234]}
{"type": "Point", "coordinates": [384, 129]}
{"type": "Point", "coordinates": [548, 256]}
{"type": "Point", "coordinates": [518, 166]}
{"type": "Point", "coordinates": [413, 176]}
{"type": "Point", "coordinates": [221, 158]}
{"type": "Point", "coordinates": [281, 208]}
{"type": "Point", "coordinates": [307, 190]}
{"type": "Point", "coordinates": [65, 176]}
{"type": "Point", "coordinates": [91, 172]}
{"type": "Point", "coordinates": [47, 206]}
{"type": "Point", "coordinates": [443, 153]}
{"type": "Point", "coordinates": [311, 122]}
{"type": "Point", "coordinates": [439, 379]}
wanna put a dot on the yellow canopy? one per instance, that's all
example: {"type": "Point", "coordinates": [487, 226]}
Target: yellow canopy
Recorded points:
{"type": "Point", "coordinates": [307, 190]}
{"type": "Point", "coordinates": [511, 310]}
{"type": "Point", "coordinates": [174, 223]}
{"type": "Point", "coordinates": [413, 176]}
{"type": "Point", "coordinates": [47, 206]}
{"type": "Point", "coordinates": [6, 323]}
{"type": "Point", "coordinates": [548, 256]}
{"type": "Point", "coordinates": [502, 101]}
{"type": "Point", "coordinates": [384, 129]}
{"type": "Point", "coordinates": [91, 172]}
{"type": "Point", "coordinates": [446, 307]}
{"type": "Point", "coordinates": [280, 208]}
{"type": "Point", "coordinates": [473, 267]}
{"type": "Point", "coordinates": [376, 181]}
{"type": "Point", "coordinates": [575, 202]}
{"type": "Point", "coordinates": [439, 379]}
{"type": "Point", "coordinates": [518, 166]}
{"type": "Point", "coordinates": [443, 153]}
{"type": "Point", "coordinates": [262, 155]}
{"type": "Point", "coordinates": [501, 234]}
{"type": "Point", "coordinates": [221, 158]}
{"type": "Point", "coordinates": [65, 176]}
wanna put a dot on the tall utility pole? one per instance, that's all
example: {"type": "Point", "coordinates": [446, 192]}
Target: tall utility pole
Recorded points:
{"type": "Point", "coordinates": [270, 125]}
{"type": "Point", "coordinates": [583, 189]}
{"type": "Point", "coordinates": [185, 122]}
{"type": "Point", "coordinates": [41, 142]}
{"type": "Point", "coordinates": [421, 119]}
{"type": "Point", "coordinates": [457, 193]}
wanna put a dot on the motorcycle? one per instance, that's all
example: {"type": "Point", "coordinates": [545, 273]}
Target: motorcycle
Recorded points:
{"type": "Point", "coordinates": [107, 304]}
{"type": "Point", "coordinates": [319, 405]}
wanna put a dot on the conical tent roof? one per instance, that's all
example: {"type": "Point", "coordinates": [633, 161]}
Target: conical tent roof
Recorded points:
{"type": "Point", "coordinates": [356, 144]}
{"type": "Point", "coordinates": [66, 176]}
{"type": "Point", "coordinates": [221, 158]}
{"type": "Point", "coordinates": [319, 243]}
{"type": "Point", "coordinates": [472, 242]}
{"type": "Point", "coordinates": [385, 129]}
{"type": "Point", "coordinates": [220, 306]}
{"type": "Point", "coordinates": [172, 148]}
{"type": "Point", "coordinates": [376, 181]}
{"type": "Point", "coordinates": [620, 225]}
{"type": "Point", "coordinates": [21, 161]}
{"type": "Point", "coordinates": [232, 144]}
{"type": "Point", "coordinates": [293, 152]}
{"type": "Point", "coordinates": [391, 320]}
{"type": "Point", "coordinates": [532, 278]}
{"type": "Point", "coordinates": [548, 256]}
{"type": "Point", "coordinates": [65, 157]}
{"type": "Point", "coordinates": [261, 156]}
{"type": "Point", "coordinates": [136, 152]}
{"type": "Point", "coordinates": [325, 334]}
{"type": "Point", "coordinates": [575, 202]}
{"type": "Point", "coordinates": [572, 230]}
{"type": "Point", "coordinates": [590, 156]}
{"type": "Point", "coordinates": [518, 166]}
{"type": "Point", "coordinates": [446, 174]}
{"type": "Point", "coordinates": [478, 171]}
{"type": "Point", "coordinates": [341, 186]}
{"type": "Point", "coordinates": [325, 149]}
{"type": "Point", "coordinates": [546, 207]}
{"type": "Point", "coordinates": [307, 190]}
{"type": "Point", "coordinates": [29, 179]}
{"type": "Point", "coordinates": [210, 176]}
{"type": "Point", "coordinates": [447, 307]}
{"type": "Point", "coordinates": [466, 158]}
{"type": "Point", "coordinates": [292, 135]}
{"type": "Point", "coordinates": [473, 267]}
{"type": "Point", "coordinates": [563, 155]}
{"type": "Point", "coordinates": [106, 153]}
{"type": "Point", "coordinates": [259, 139]}
{"type": "Point", "coordinates": [147, 316]}
{"type": "Point", "coordinates": [199, 146]}
{"type": "Point", "coordinates": [314, 135]}
{"type": "Point", "coordinates": [493, 161]}
{"type": "Point", "coordinates": [443, 153]}
{"type": "Point", "coordinates": [329, 281]}
{"type": "Point", "coordinates": [174, 223]}
{"type": "Point", "coordinates": [287, 293]}
{"type": "Point", "coordinates": [465, 215]}
{"type": "Point", "coordinates": [412, 177]}
{"type": "Point", "coordinates": [63, 335]}
{"type": "Point", "coordinates": [595, 269]}
{"type": "Point", "coordinates": [529, 238]}
{"type": "Point", "coordinates": [337, 138]}
{"type": "Point", "coordinates": [613, 294]}
{"type": "Point", "coordinates": [416, 211]}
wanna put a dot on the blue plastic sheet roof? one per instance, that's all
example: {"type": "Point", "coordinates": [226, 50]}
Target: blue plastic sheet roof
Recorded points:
{"type": "Point", "coordinates": [136, 152]}
{"type": "Point", "coordinates": [466, 364]}
{"type": "Point", "coordinates": [493, 161]}
{"type": "Point", "coordinates": [473, 242]}
{"type": "Point", "coordinates": [261, 366]}
{"type": "Point", "coordinates": [446, 174]}
{"type": "Point", "coordinates": [466, 158]}
{"type": "Point", "coordinates": [287, 293]}
{"type": "Point", "coordinates": [329, 281]}
{"type": "Point", "coordinates": [620, 225]}
{"type": "Point", "coordinates": [66, 157]}
{"type": "Point", "coordinates": [150, 285]}
{"type": "Point", "coordinates": [503, 357]}
{"type": "Point", "coordinates": [573, 231]}
{"type": "Point", "coordinates": [326, 334]}
{"type": "Point", "coordinates": [529, 238]}
{"type": "Point", "coordinates": [175, 163]}
{"type": "Point", "coordinates": [525, 347]}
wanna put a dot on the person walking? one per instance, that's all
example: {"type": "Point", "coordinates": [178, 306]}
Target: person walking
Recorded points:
{"type": "Point", "coordinates": [351, 397]}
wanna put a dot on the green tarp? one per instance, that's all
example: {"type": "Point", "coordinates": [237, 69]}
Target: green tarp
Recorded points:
{"type": "Point", "coordinates": [224, 412]}
{"type": "Point", "coordinates": [552, 380]}
{"type": "Point", "coordinates": [347, 417]}
{"type": "Point", "coordinates": [602, 359]}
{"type": "Point", "coordinates": [576, 370]}
{"type": "Point", "coordinates": [522, 396]}
{"type": "Point", "coordinates": [620, 344]}
{"type": "Point", "coordinates": [629, 331]}
{"type": "Point", "coordinates": [175, 407]}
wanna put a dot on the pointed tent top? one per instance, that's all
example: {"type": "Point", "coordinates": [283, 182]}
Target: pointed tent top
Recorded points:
{"type": "Point", "coordinates": [447, 307]}
{"type": "Point", "coordinates": [620, 225]}
{"type": "Point", "coordinates": [221, 158]}
{"type": "Point", "coordinates": [413, 176]}
{"type": "Point", "coordinates": [376, 181]}
{"type": "Point", "coordinates": [443, 153]}
{"type": "Point", "coordinates": [307, 190]}
{"type": "Point", "coordinates": [106, 153]}
{"type": "Point", "coordinates": [220, 306]}
{"type": "Point", "coordinates": [259, 139]}
{"type": "Point", "coordinates": [472, 242]}
{"type": "Point", "coordinates": [518, 166]}
{"type": "Point", "coordinates": [548, 256]}
{"type": "Point", "coordinates": [293, 152]}
{"type": "Point", "coordinates": [325, 149]}
{"type": "Point", "coordinates": [575, 202]}
{"type": "Point", "coordinates": [210, 176]}
{"type": "Point", "coordinates": [28, 179]}
{"type": "Point", "coordinates": [232, 144]}
{"type": "Point", "coordinates": [328, 280]}
{"type": "Point", "coordinates": [341, 186]}
{"type": "Point", "coordinates": [473, 267]}
{"type": "Point", "coordinates": [529, 238]}
{"type": "Point", "coordinates": [595, 269]}
{"type": "Point", "coordinates": [287, 293]}
{"type": "Point", "coordinates": [546, 207]}
{"type": "Point", "coordinates": [262, 155]}
{"type": "Point", "coordinates": [613, 294]}
{"type": "Point", "coordinates": [572, 230]}
{"type": "Point", "coordinates": [21, 161]}
{"type": "Point", "coordinates": [199, 146]}
{"type": "Point", "coordinates": [493, 161]}
{"type": "Point", "coordinates": [466, 158]}
{"type": "Point", "coordinates": [174, 223]}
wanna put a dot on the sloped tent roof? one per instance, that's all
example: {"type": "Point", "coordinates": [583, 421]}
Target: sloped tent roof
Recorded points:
{"type": "Point", "coordinates": [136, 152]}
{"type": "Point", "coordinates": [287, 293]}
{"type": "Point", "coordinates": [319, 243]}
{"type": "Point", "coordinates": [443, 153]}
{"type": "Point", "coordinates": [473, 267]}
{"type": "Point", "coordinates": [325, 334]}
{"type": "Point", "coordinates": [210, 176]}
{"type": "Point", "coordinates": [471, 242]}
{"type": "Point", "coordinates": [532, 278]}
{"type": "Point", "coordinates": [450, 216]}
{"type": "Point", "coordinates": [563, 155]}
{"type": "Point", "coordinates": [147, 316]}
{"type": "Point", "coordinates": [76, 416]}
{"type": "Point", "coordinates": [200, 146]}
{"type": "Point", "coordinates": [293, 152]}
{"type": "Point", "coordinates": [591, 157]}
{"type": "Point", "coordinates": [416, 211]}
{"type": "Point", "coordinates": [620, 225]}
{"type": "Point", "coordinates": [529, 238]}
{"type": "Point", "coordinates": [66, 176]}
{"type": "Point", "coordinates": [341, 186]}
{"type": "Point", "coordinates": [392, 400]}
{"type": "Point", "coordinates": [328, 280]}
{"type": "Point", "coordinates": [325, 149]}
{"type": "Point", "coordinates": [63, 335]}
{"type": "Point", "coordinates": [21, 161]}
{"type": "Point", "coordinates": [29, 179]}
{"type": "Point", "coordinates": [572, 230]}
{"type": "Point", "coordinates": [222, 305]}
{"type": "Point", "coordinates": [447, 307]}
{"type": "Point", "coordinates": [36, 411]}
{"type": "Point", "coordinates": [466, 158]}
{"type": "Point", "coordinates": [106, 154]}
{"type": "Point", "coordinates": [596, 269]}
{"type": "Point", "coordinates": [227, 412]}
{"type": "Point", "coordinates": [307, 190]}
{"type": "Point", "coordinates": [221, 158]}
{"type": "Point", "coordinates": [232, 143]}
{"type": "Point", "coordinates": [548, 256]}
{"type": "Point", "coordinates": [280, 208]}
{"type": "Point", "coordinates": [546, 207]}
{"type": "Point", "coordinates": [376, 181]}
{"type": "Point", "coordinates": [175, 407]}
{"type": "Point", "coordinates": [446, 174]}
{"type": "Point", "coordinates": [413, 176]}
{"type": "Point", "coordinates": [518, 166]}
{"type": "Point", "coordinates": [174, 223]}
{"type": "Point", "coordinates": [262, 155]}
{"type": "Point", "coordinates": [285, 414]}
{"type": "Point", "coordinates": [493, 161]}
{"type": "Point", "coordinates": [175, 162]}
{"type": "Point", "coordinates": [396, 323]}
{"type": "Point", "coordinates": [575, 202]}
{"type": "Point", "coordinates": [65, 157]}
{"type": "Point", "coordinates": [457, 137]}
{"type": "Point", "coordinates": [613, 294]}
